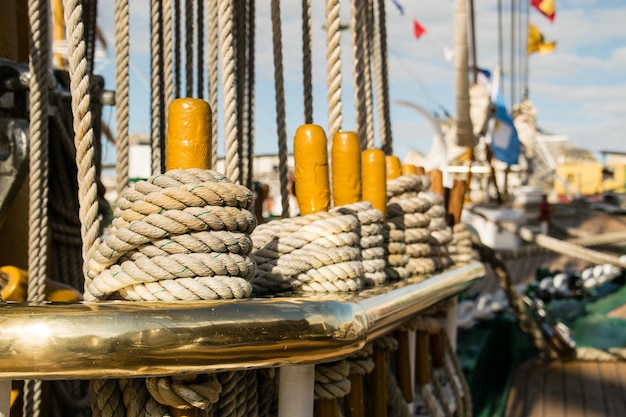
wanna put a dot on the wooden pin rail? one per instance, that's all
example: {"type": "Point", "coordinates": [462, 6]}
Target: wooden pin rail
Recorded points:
{"type": "Point", "coordinates": [132, 339]}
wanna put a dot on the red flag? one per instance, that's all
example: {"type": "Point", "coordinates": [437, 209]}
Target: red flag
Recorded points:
{"type": "Point", "coordinates": [545, 7]}
{"type": "Point", "coordinates": [418, 30]}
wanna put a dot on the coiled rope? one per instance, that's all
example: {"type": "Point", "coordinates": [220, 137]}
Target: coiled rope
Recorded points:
{"type": "Point", "coordinates": [313, 253]}
{"type": "Point", "coordinates": [371, 240]}
{"type": "Point", "coordinates": [181, 235]}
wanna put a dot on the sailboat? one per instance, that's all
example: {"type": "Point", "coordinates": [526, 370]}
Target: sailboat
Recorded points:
{"type": "Point", "coordinates": [176, 299]}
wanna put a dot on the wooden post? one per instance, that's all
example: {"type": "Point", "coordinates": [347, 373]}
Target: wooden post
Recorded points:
{"type": "Point", "coordinates": [455, 203]}
{"type": "Point", "coordinates": [436, 181]}
{"type": "Point", "coordinates": [403, 365]}
{"type": "Point", "coordinates": [378, 383]}
{"type": "Point", "coordinates": [354, 406]}
{"type": "Point", "coordinates": [188, 146]}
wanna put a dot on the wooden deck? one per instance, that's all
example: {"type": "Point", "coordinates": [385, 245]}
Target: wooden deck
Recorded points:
{"type": "Point", "coordinates": [568, 389]}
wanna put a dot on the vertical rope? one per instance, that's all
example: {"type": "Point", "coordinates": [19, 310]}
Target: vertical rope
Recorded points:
{"type": "Point", "coordinates": [189, 48]}
{"type": "Point", "coordinates": [200, 49]}
{"type": "Point", "coordinates": [156, 73]}
{"type": "Point", "coordinates": [240, 83]}
{"type": "Point", "coordinates": [333, 69]}
{"type": "Point", "coordinates": [176, 33]}
{"type": "Point", "coordinates": [122, 60]}
{"type": "Point", "coordinates": [250, 98]}
{"type": "Point", "coordinates": [307, 66]}
{"type": "Point", "coordinates": [168, 66]}
{"type": "Point", "coordinates": [213, 66]}
{"type": "Point", "coordinates": [89, 18]}
{"type": "Point", "coordinates": [38, 179]}
{"type": "Point", "coordinates": [382, 92]}
{"type": "Point", "coordinates": [369, 97]}
{"type": "Point", "coordinates": [280, 108]}
{"type": "Point", "coordinates": [358, 24]}
{"type": "Point", "coordinates": [83, 130]}
{"type": "Point", "coordinates": [225, 17]}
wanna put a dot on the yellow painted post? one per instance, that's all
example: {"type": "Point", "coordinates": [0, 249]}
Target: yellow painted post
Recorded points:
{"type": "Point", "coordinates": [393, 167]}
{"type": "Point", "coordinates": [311, 169]}
{"type": "Point", "coordinates": [346, 168]}
{"type": "Point", "coordinates": [188, 146]}
{"type": "Point", "coordinates": [409, 169]}
{"type": "Point", "coordinates": [374, 179]}
{"type": "Point", "coordinates": [188, 135]}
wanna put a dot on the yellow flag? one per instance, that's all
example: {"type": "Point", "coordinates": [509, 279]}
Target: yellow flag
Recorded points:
{"type": "Point", "coordinates": [536, 42]}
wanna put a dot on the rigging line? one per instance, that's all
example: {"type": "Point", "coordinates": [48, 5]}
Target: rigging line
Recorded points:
{"type": "Point", "coordinates": [512, 77]}
{"type": "Point", "coordinates": [526, 58]}
{"type": "Point", "coordinates": [418, 82]}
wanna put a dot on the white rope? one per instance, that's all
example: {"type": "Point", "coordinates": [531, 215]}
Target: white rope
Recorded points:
{"type": "Point", "coordinates": [225, 18]}
{"type": "Point", "coordinates": [122, 92]}
{"type": "Point", "coordinates": [333, 69]}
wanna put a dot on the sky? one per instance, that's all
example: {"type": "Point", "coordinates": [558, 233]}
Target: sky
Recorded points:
{"type": "Point", "coordinates": [579, 89]}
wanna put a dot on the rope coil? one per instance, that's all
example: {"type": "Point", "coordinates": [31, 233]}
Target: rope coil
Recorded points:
{"type": "Point", "coordinates": [181, 235]}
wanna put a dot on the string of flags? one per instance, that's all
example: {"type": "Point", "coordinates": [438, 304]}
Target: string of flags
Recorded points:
{"type": "Point", "coordinates": [536, 41]}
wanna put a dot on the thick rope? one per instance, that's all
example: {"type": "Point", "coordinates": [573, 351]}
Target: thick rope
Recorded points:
{"type": "Point", "coordinates": [516, 302]}
{"type": "Point", "coordinates": [38, 178]}
{"type": "Point", "coordinates": [213, 66]}
{"type": "Point", "coordinates": [358, 10]}
{"type": "Point", "coordinates": [313, 253]}
{"type": "Point", "coordinates": [122, 89]}
{"type": "Point", "coordinates": [83, 130]}
{"type": "Point", "coordinates": [156, 74]}
{"type": "Point", "coordinates": [371, 240]}
{"type": "Point", "coordinates": [331, 380]}
{"type": "Point", "coordinates": [239, 25]}
{"type": "Point", "coordinates": [177, 25]}
{"type": "Point", "coordinates": [189, 47]}
{"type": "Point", "coordinates": [280, 109]}
{"type": "Point", "coordinates": [225, 17]}
{"type": "Point", "coordinates": [369, 96]}
{"type": "Point", "coordinates": [38, 150]}
{"type": "Point", "coordinates": [168, 69]}
{"type": "Point", "coordinates": [250, 90]}
{"type": "Point", "coordinates": [200, 49]}
{"type": "Point", "coordinates": [333, 67]}
{"type": "Point", "coordinates": [382, 84]}
{"type": "Point", "coordinates": [307, 66]}
{"type": "Point", "coordinates": [168, 241]}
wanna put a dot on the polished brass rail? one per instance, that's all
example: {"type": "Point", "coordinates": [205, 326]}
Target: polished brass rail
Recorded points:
{"type": "Point", "coordinates": [131, 339]}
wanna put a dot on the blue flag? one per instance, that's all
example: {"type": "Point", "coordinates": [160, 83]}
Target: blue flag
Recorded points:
{"type": "Point", "coordinates": [504, 140]}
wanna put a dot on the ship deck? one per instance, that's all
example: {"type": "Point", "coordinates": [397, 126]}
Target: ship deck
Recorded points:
{"type": "Point", "coordinates": [568, 389]}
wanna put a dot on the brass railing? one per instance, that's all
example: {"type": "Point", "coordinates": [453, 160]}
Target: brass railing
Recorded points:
{"type": "Point", "coordinates": [124, 339]}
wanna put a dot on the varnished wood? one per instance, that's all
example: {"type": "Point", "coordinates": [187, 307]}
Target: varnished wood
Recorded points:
{"type": "Point", "coordinates": [378, 383]}
{"type": "Point", "coordinates": [568, 389]}
{"type": "Point", "coordinates": [403, 365]}
{"type": "Point", "coordinates": [326, 408]}
{"type": "Point", "coordinates": [354, 400]}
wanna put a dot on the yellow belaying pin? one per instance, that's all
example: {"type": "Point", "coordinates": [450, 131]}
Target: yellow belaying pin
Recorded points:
{"type": "Point", "coordinates": [374, 179]}
{"type": "Point", "coordinates": [188, 135]}
{"type": "Point", "coordinates": [346, 168]}
{"type": "Point", "coordinates": [393, 167]}
{"type": "Point", "coordinates": [311, 169]}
